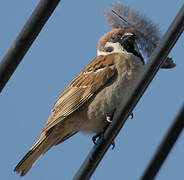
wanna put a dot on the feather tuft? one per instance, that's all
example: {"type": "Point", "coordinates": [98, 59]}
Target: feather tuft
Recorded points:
{"type": "Point", "coordinates": [148, 35]}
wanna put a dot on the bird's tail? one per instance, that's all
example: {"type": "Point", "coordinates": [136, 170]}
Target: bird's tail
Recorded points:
{"type": "Point", "coordinates": [39, 148]}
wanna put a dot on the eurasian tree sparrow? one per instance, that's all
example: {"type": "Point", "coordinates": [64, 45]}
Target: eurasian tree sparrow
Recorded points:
{"type": "Point", "coordinates": [89, 102]}
{"type": "Point", "coordinates": [92, 96]}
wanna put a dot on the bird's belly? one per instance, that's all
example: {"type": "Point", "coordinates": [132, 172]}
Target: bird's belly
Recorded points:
{"type": "Point", "coordinates": [111, 96]}
{"type": "Point", "coordinates": [103, 104]}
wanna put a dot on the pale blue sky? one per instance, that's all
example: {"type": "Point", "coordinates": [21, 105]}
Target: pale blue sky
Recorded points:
{"type": "Point", "coordinates": [66, 44]}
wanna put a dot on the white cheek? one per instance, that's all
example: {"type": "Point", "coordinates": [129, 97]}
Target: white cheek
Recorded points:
{"type": "Point", "coordinates": [102, 53]}
{"type": "Point", "coordinates": [117, 48]}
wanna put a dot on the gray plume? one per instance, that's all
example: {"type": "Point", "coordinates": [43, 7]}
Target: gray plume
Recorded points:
{"type": "Point", "coordinates": [147, 34]}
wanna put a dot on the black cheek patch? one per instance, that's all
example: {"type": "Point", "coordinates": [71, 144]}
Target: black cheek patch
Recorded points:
{"type": "Point", "coordinates": [108, 49]}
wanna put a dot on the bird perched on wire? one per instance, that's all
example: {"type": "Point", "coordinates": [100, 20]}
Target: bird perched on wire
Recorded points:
{"type": "Point", "coordinates": [89, 102]}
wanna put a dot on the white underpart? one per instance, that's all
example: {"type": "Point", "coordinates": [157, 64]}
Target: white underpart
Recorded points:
{"type": "Point", "coordinates": [117, 48]}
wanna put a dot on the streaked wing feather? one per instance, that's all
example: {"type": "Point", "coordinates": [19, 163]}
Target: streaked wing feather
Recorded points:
{"type": "Point", "coordinates": [89, 81]}
{"type": "Point", "coordinates": [65, 137]}
{"type": "Point", "coordinates": [67, 105]}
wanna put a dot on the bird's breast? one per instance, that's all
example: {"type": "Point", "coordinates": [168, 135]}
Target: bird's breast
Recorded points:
{"type": "Point", "coordinates": [107, 100]}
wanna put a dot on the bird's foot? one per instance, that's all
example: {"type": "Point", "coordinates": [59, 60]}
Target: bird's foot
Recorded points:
{"type": "Point", "coordinates": [132, 115]}
{"type": "Point", "coordinates": [100, 135]}
{"type": "Point", "coordinates": [109, 119]}
{"type": "Point", "coordinates": [113, 144]}
{"type": "Point", "coordinates": [94, 138]}
{"type": "Point", "coordinates": [109, 116]}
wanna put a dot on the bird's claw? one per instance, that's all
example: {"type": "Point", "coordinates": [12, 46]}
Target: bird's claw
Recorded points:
{"type": "Point", "coordinates": [109, 119]}
{"type": "Point", "coordinates": [113, 144]}
{"type": "Point", "coordinates": [94, 139]}
{"type": "Point", "coordinates": [99, 135]}
{"type": "Point", "coordinates": [132, 115]}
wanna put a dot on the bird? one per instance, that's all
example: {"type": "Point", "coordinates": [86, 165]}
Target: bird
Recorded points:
{"type": "Point", "coordinates": [89, 102]}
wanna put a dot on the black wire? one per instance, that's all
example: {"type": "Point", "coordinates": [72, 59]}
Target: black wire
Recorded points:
{"type": "Point", "coordinates": [156, 60]}
{"type": "Point", "coordinates": [25, 39]}
{"type": "Point", "coordinates": [165, 147]}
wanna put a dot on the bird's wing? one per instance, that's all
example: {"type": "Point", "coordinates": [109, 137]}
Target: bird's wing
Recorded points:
{"type": "Point", "coordinates": [81, 89]}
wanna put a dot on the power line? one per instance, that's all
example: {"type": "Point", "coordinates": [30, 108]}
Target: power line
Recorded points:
{"type": "Point", "coordinates": [165, 147]}
{"type": "Point", "coordinates": [25, 39]}
{"type": "Point", "coordinates": [122, 113]}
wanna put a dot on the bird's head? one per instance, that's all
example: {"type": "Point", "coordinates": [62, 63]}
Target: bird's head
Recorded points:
{"type": "Point", "coordinates": [119, 40]}
{"type": "Point", "coordinates": [147, 34]}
